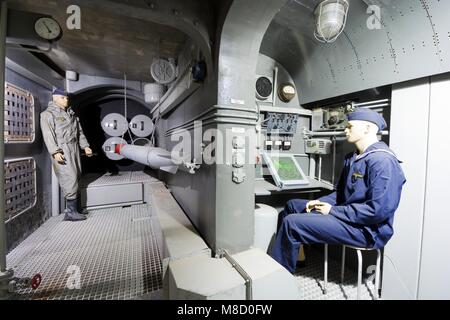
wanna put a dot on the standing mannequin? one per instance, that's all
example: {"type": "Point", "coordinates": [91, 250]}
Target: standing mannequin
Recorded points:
{"type": "Point", "coordinates": [63, 137]}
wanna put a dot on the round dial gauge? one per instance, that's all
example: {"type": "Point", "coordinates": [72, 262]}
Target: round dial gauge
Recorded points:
{"type": "Point", "coordinates": [286, 92]}
{"type": "Point", "coordinates": [47, 28]}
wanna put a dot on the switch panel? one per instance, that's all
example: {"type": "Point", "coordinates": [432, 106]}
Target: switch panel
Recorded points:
{"type": "Point", "coordinates": [282, 123]}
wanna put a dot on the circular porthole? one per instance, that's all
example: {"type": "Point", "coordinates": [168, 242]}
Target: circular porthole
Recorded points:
{"type": "Point", "coordinates": [263, 88]}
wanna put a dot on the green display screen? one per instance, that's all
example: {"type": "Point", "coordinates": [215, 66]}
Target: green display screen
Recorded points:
{"type": "Point", "coordinates": [286, 168]}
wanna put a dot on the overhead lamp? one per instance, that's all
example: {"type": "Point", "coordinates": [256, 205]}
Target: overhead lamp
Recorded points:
{"type": "Point", "coordinates": [331, 16]}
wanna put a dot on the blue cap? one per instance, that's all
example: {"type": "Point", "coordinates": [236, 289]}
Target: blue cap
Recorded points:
{"type": "Point", "coordinates": [60, 92]}
{"type": "Point", "coordinates": [368, 115]}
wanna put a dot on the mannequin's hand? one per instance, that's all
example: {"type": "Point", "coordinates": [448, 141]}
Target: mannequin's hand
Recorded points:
{"type": "Point", "coordinates": [323, 207]}
{"type": "Point", "coordinates": [311, 205]}
{"type": "Point", "coordinates": [88, 152]}
{"type": "Point", "coordinates": [59, 157]}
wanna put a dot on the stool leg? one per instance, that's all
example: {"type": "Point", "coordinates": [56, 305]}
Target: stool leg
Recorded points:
{"type": "Point", "coordinates": [377, 274]}
{"type": "Point", "coordinates": [358, 294]}
{"type": "Point", "coordinates": [325, 269]}
{"type": "Point", "coordinates": [343, 264]}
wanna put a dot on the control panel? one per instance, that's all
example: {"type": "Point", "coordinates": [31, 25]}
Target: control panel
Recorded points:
{"type": "Point", "coordinates": [281, 123]}
{"type": "Point", "coordinates": [318, 146]}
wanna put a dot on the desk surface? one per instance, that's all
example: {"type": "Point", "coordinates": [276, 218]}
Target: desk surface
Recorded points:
{"type": "Point", "coordinates": [266, 188]}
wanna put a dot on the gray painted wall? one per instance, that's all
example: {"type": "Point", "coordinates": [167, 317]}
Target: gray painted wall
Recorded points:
{"type": "Point", "coordinates": [19, 228]}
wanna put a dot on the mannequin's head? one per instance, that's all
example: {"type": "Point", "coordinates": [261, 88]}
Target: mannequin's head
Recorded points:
{"type": "Point", "coordinates": [363, 126]}
{"type": "Point", "coordinates": [60, 98]}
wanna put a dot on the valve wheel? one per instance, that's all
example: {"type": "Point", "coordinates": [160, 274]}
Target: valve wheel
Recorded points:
{"type": "Point", "coordinates": [36, 281]}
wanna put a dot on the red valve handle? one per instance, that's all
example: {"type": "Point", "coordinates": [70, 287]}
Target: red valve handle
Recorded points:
{"type": "Point", "coordinates": [36, 281]}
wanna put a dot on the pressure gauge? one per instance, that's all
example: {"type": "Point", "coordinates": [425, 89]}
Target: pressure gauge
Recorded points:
{"type": "Point", "coordinates": [47, 28]}
{"type": "Point", "coordinates": [286, 92]}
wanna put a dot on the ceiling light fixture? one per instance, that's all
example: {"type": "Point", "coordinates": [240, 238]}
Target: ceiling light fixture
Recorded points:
{"type": "Point", "coordinates": [331, 16]}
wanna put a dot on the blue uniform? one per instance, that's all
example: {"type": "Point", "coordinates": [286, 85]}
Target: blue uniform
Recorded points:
{"type": "Point", "coordinates": [362, 213]}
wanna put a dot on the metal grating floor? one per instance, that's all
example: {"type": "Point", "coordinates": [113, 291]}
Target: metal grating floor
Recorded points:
{"type": "Point", "coordinates": [310, 280]}
{"type": "Point", "coordinates": [96, 180]}
{"type": "Point", "coordinates": [115, 250]}
{"type": "Point", "coordinates": [118, 257]}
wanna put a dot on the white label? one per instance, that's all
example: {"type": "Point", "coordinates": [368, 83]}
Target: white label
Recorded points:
{"type": "Point", "coordinates": [238, 130]}
{"type": "Point", "coordinates": [237, 101]}
{"type": "Point", "coordinates": [278, 143]}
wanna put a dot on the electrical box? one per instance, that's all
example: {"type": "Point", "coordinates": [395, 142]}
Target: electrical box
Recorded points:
{"type": "Point", "coordinates": [331, 118]}
{"type": "Point", "coordinates": [318, 146]}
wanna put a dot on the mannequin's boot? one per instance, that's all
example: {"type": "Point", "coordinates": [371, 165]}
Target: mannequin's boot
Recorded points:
{"type": "Point", "coordinates": [72, 213]}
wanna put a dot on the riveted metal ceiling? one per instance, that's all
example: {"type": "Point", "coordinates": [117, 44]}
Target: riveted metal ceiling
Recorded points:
{"type": "Point", "coordinates": [413, 41]}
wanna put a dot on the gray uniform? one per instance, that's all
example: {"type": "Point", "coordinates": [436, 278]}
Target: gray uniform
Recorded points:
{"type": "Point", "coordinates": [62, 131]}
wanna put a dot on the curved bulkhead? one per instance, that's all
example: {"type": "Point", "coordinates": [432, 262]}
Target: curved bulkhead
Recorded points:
{"type": "Point", "coordinates": [247, 78]}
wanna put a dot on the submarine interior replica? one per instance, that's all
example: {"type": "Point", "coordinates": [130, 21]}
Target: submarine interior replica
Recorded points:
{"type": "Point", "coordinates": [203, 119]}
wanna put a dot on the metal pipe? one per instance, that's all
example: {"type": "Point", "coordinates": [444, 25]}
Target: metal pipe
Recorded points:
{"type": "Point", "coordinates": [334, 160]}
{"type": "Point", "coordinates": [383, 105]}
{"type": "Point", "coordinates": [320, 168]}
{"type": "Point", "coordinates": [325, 271]}
{"type": "Point", "coordinates": [312, 166]}
{"type": "Point", "coordinates": [4, 274]}
{"type": "Point", "coordinates": [337, 134]}
{"type": "Point", "coordinates": [275, 80]}
{"type": "Point", "coordinates": [343, 264]}
{"type": "Point", "coordinates": [19, 47]}
{"type": "Point", "coordinates": [377, 274]}
{"type": "Point", "coordinates": [241, 271]}
{"type": "Point", "coordinates": [358, 290]}
{"type": "Point", "coordinates": [371, 102]}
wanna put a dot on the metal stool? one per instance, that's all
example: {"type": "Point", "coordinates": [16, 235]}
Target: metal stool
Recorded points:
{"type": "Point", "coordinates": [358, 251]}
